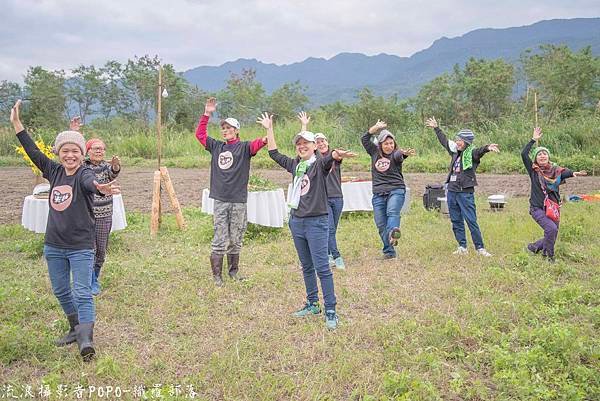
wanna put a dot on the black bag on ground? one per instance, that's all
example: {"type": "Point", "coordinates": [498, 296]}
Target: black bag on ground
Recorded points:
{"type": "Point", "coordinates": [432, 192]}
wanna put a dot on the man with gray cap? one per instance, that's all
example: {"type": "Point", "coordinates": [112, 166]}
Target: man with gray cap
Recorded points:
{"type": "Point", "coordinates": [460, 185]}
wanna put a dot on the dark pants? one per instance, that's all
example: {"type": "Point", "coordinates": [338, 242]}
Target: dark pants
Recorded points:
{"type": "Point", "coordinates": [550, 227]}
{"type": "Point", "coordinates": [102, 226]}
{"type": "Point", "coordinates": [334, 209]}
{"type": "Point", "coordinates": [310, 238]}
{"type": "Point", "coordinates": [461, 206]}
{"type": "Point", "coordinates": [386, 211]}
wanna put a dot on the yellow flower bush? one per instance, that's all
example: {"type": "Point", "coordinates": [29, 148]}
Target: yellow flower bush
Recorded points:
{"type": "Point", "coordinates": [46, 149]}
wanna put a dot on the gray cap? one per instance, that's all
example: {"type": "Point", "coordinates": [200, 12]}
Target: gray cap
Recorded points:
{"type": "Point", "coordinates": [383, 135]}
{"type": "Point", "coordinates": [309, 136]}
{"type": "Point", "coordinates": [231, 121]}
{"type": "Point", "coordinates": [466, 135]}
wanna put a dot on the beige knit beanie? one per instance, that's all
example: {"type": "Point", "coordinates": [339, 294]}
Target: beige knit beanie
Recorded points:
{"type": "Point", "coordinates": [73, 137]}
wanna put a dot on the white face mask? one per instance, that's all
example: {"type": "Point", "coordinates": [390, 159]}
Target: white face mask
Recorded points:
{"type": "Point", "coordinates": [453, 146]}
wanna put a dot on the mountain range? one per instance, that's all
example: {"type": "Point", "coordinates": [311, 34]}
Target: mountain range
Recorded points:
{"type": "Point", "coordinates": [340, 77]}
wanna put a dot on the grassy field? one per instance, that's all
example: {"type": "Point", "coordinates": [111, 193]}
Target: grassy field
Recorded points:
{"type": "Point", "coordinates": [428, 326]}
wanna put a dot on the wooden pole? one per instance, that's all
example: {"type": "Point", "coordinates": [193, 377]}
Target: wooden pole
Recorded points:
{"type": "Point", "coordinates": [535, 106]}
{"type": "Point", "coordinates": [164, 173]}
{"type": "Point", "coordinates": [158, 114]}
{"type": "Point", "coordinates": [155, 218]}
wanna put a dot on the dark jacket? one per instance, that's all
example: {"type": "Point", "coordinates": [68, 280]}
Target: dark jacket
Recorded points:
{"type": "Point", "coordinates": [466, 180]}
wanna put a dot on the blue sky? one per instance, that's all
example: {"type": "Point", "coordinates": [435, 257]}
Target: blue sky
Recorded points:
{"type": "Point", "coordinates": [61, 34]}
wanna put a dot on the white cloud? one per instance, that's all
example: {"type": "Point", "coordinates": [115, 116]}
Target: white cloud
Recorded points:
{"type": "Point", "coordinates": [61, 34]}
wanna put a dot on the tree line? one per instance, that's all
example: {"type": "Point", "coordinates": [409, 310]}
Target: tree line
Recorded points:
{"type": "Point", "coordinates": [565, 82]}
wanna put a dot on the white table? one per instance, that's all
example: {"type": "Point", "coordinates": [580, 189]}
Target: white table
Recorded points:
{"type": "Point", "coordinates": [35, 214]}
{"type": "Point", "coordinates": [358, 196]}
{"type": "Point", "coordinates": [266, 208]}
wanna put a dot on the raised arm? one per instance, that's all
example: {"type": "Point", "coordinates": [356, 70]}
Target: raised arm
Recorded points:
{"type": "Point", "coordinates": [287, 163]}
{"type": "Point", "coordinates": [442, 138]}
{"type": "Point", "coordinates": [209, 107]}
{"type": "Point", "coordinates": [537, 134]}
{"type": "Point", "coordinates": [38, 157]}
{"type": "Point", "coordinates": [369, 146]}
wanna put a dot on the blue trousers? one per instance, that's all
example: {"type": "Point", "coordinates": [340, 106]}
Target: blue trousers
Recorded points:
{"type": "Point", "coordinates": [310, 239]}
{"type": "Point", "coordinates": [386, 211]}
{"type": "Point", "coordinates": [64, 263]}
{"type": "Point", "coordinates": [461, 206]}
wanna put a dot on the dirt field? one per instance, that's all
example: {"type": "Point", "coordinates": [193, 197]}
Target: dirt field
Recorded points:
{"type": "Point", "coordinates": [136, 185]}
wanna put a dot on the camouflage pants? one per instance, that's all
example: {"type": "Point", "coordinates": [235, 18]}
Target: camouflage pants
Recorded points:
{"type": "Point", "coordinates": [230, 221]}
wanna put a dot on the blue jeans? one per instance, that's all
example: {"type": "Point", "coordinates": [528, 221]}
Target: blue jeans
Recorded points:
{"type": "Point", "coordinates": [334, 208]}
{"type": "Point", "coordinates": [461, 206]}
{"type": "Point", "coordinates": [386, 210]}
{"type": "Point", "coordinates": [310, 239]}
{"type": "Point", "coordinates": [64, 263]}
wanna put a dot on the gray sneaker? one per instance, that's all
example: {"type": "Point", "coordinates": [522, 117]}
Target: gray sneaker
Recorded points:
{"type": "Point", "coordinates": [331, 320]}
{"type": "Point", "coordinates": [307, 310]}
{"type": "Point", "coordinates": [339, 263]}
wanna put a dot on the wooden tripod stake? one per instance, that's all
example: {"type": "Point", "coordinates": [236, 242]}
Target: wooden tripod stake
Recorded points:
{"type": "Point", "coordinates": [161, 176]}
{"type": "Point", "coordinates": [535, 107]}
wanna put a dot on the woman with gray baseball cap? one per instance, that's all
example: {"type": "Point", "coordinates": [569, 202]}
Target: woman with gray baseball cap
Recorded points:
{"type": "Point", "coordinates": [388, 184]}
{"type": "Point", "coordinates": [335, 197]}
{"type": "Point", "coordinates": [308, 216]}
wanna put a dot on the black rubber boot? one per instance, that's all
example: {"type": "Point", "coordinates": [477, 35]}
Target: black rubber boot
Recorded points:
{"type": "Point", "coordinates": [85, 340]}
{"type": "Point", "coordinates": [233, 261]}
{"type": "Point", "coordinates": [70, 337]}
{"type": "Point", "coordinates": [216, 264]}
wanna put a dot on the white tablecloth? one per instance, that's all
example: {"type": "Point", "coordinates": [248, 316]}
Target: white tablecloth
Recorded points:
{"type": "Point", "coordinates": [35, 214]}
{"type": "Point", "coordinates": [358, 196]}
{"type": "Point", "coordinates": [266, 208]}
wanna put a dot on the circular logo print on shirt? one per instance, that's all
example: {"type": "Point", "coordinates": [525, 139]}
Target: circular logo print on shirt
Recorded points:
{"type": "Point", "coordinates": [225, 160]}
{"type": "Point", "coordinates": [382, 164]}
{"type": "Point", "coordinates": [61, 197]}
{"type": "Point", "coordinates": [304, 185]}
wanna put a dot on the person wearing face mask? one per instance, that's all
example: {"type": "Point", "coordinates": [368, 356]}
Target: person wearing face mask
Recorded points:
{"type": "Point", "coordinates": [229, 175]}
{"type": "Point", "coordinates": [389, 189]}
{"type": "Point", "coordinates": [69, 238]}
{"type": "Point", "coordinates": [335, 197]}
{"type": "Point", "coordinates": [461, 182]}
{"type": "Point", "coordinates": [308, 216]}
{"type": "Point", "coordinates": [103, 204]}
{"type": "Point", "coordinates": [546, 178]}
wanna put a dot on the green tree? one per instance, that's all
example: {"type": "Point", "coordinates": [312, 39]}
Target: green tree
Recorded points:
{"type": "Point", "coordinates": [111, 91]}
{"type": "Point", "coordinates": [243, 98]}
{"type": "Point", "coordinates": [487, 86]}
{"type": "Point", "coordinates": [139, 85]}
{"type": "Point", "coordinates": [84, 89]}
{"type": "Point", "coordinates": [47, 99]}
{"type": "Point", "coordinates": [370, 108]}
{"type": "Point", "coordinates": [10, 92]}
{"type": "Point", "coordinates": [565, 81]}
{"type": "Point", "coordinates": [286, 101]}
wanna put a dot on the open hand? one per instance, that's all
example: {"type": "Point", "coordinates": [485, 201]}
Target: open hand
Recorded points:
{"type": "Point", "coordinates": [210, 106]}
{"type": "Point", "coordinates": [339, 154]}
{"type": "Point", "coordinates": [408, 152]}
{"type": "Point", "coordinates": [107, 189]}
{"type": "Point", "coordinates": [379, 125]}
{"type": "Point", "coordinates": [493, 147]}
{"type": "Point", "coordinates": [14, 117]}
{"type": "Point", "coordinates": [537, 134]}
{"type": "Point", "coordinates": [265, 120]}
{"type": "Point", "coordinates": [115, 164]}
{"type": "Point", "coordinates": [304, 118]}
{"type": "Point", "coordinates": [431, 122]}
{"type": "Point", "coordinates": [75, 124]}
{"type": "Point", "coordinates": [581, 173]}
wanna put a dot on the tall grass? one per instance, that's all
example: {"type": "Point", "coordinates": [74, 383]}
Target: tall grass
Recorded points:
{"type": "Point", "coordinates": [573, 142]}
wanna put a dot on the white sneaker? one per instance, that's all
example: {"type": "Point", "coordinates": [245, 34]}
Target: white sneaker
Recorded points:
{"type": "Point", "coordinates": [483, 252]}
{"type": "Point", "coordinates": [460, 251]}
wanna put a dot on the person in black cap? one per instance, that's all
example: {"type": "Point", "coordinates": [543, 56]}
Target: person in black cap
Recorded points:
{"type": "Point", "coordinates": [460, 185]}
{"type": "Point", "coordinates": [389, 189]}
